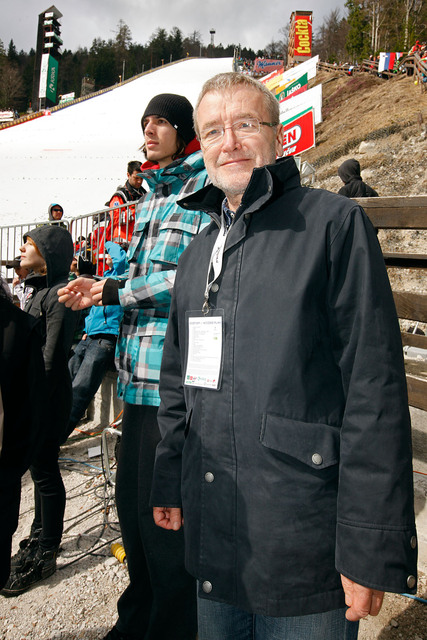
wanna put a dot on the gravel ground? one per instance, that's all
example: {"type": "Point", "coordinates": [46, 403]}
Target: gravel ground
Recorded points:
{"type": "Point", "coordinates": [79, 601]}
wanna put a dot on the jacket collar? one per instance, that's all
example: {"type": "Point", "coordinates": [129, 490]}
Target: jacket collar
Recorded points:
{"type": "Point", "coordinates": [180, 168]}
{"type": "Point", "coordinates": [266, 183]}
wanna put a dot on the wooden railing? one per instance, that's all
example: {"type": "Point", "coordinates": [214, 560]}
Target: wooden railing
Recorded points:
{"type": "Point", "coordinates": [413, 65]}
{"type": "Point", "coordinates": [406, 212]}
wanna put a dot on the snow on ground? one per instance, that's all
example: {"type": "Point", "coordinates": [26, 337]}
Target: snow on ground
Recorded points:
{"type": "Point", "coordinates": [77, 156]}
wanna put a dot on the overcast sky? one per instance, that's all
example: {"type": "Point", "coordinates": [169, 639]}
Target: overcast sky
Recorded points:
{"type": "Point", "coordinates": [250, 23]}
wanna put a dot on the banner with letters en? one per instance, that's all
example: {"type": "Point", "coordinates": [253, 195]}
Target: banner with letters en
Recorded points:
{"type": "Point", "coordinates": [298, 133]}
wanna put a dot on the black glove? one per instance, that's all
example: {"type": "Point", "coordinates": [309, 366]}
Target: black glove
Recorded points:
{"type": "Point", "coordinates": [86, 267]}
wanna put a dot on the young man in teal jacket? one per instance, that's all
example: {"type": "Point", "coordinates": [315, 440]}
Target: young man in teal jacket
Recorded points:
{"type": "Point", "coordinates": [160, 590]}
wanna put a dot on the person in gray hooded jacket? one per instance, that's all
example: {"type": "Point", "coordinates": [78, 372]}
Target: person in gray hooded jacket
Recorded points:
{"type": "Point", "coordinates": [48, 251]}
{"type": "Point", "coordinates": [55, 213]}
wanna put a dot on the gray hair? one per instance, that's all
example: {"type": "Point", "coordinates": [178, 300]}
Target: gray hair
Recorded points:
{"type": "Point", "coordinates": [227, 81]}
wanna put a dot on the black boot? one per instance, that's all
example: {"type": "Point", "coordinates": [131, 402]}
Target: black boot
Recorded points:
{"type": "Point", "coordinates": [26, 554]}
{"type": "Point", "coordinates": [42, 566]}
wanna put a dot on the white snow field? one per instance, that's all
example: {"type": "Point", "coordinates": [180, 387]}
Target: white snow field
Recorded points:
{"type": "Point", "coordinates": [78, 155]}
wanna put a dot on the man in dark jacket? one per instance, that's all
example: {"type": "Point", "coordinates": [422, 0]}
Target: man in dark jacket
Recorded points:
{"type": "Point", "coordinates": [132, 189]}
{"type": "Point", "coordinates": [354, 187]}
{"type": "Point", "coordinates": [284, 418]}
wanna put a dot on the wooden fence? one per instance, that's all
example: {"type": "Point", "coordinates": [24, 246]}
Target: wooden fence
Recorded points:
{"type": "Point", "coordinates": [413, 66]}
{"type": "Point", "coordinates": [406, 212]}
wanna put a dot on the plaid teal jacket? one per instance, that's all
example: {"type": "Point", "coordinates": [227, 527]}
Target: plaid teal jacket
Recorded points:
{"type": "Point", "coordinates": [162, 231]}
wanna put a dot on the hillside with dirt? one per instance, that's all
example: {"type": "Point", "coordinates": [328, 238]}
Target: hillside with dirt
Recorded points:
{"type": "Point", "coordinates": [381, 123]}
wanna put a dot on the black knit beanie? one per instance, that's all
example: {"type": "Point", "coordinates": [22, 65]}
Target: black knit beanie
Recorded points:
{"type": "Point", "coordinates": [176, 109]}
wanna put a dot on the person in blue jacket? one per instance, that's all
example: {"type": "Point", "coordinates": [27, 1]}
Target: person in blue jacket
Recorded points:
{"type": "Point", "coordinates": [94, 354]}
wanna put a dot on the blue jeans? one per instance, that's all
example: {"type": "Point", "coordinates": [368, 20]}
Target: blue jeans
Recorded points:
{"type": "Point", "coordinates": [92, 358]}
{"type": "Point", "coordinates": [219, 621]}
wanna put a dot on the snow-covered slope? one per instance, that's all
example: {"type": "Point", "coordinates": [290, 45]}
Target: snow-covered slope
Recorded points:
{"type": "Point", "coordinates": [77, 156]}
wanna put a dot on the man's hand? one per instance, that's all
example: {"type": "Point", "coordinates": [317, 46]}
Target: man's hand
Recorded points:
{"type": "Point", "coordinates": [361, 600]}
{"type": "Point", "coordinates": [168, 517]}
{"type": "Point", "coordinates": [82, 293]}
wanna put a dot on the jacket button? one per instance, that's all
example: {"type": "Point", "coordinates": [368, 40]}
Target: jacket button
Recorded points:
{"type": "Point", "coordinates": [215, 287]}
{"type": "Point", "coordinates": [207, 586]}
{"type": "Point", "coordinates": [209, 477]}
{"type": "Point", "coordinates": [411, 582]}
{"type": "Point", "coordinates": [414, 542]}
{"type": "Point", "coordinates": [316, 458]}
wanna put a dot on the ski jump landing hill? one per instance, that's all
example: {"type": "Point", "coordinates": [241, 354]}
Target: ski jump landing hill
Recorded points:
{"type": "Point", "coordinates": [78, 155]}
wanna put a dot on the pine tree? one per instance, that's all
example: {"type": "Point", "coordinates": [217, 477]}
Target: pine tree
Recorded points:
{"type": "Point", "coordinates": [357, 43]}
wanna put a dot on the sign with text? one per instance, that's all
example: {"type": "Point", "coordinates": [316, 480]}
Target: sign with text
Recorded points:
{"type": "Point", "coordinates": [312, 98]}
{"type": "Point", "coordinates": [265, 65]}
{"type": "Point", "coordinates": [302, 45]}
{"type": "Point", "coordinates": [48, 77]}
{"type": "Point", "coordinates": [309, 67]}
{"type": "Point", "coordinates": [298, 133]}
{"type": "Point", "coordinates": [292, 89]}
{"type": "Point", "coordinates": [67, 97]}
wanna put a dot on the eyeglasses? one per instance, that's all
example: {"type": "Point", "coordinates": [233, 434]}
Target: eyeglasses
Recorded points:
{"type": "Point", "coordinates": [241, 129]}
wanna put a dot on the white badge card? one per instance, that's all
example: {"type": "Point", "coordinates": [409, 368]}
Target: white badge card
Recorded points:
{"type": "Point", "coordinates": [205, 338]}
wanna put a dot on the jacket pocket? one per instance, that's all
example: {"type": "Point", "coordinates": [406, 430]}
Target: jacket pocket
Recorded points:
{"type": "Point", "coordinates": [313, 444]}
{"type": "Point", "coordinates": [137, 237]}
{"type": "Point", "coordinates": [175, 235]}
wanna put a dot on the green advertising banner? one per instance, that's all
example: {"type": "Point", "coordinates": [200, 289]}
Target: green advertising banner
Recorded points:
{"type": "Point", "coordinates": [52, 79]}
{"type": "Point", "coordinates": [294, 88]}
{"type": "Point", "coordinates": [48, 78]}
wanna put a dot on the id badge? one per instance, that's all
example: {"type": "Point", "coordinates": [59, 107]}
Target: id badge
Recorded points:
{"type": "Point", "coordinates": [205, 341]}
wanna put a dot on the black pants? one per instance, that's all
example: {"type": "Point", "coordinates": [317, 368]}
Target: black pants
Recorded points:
{"type": "Point", "coordinates": [49, 495]}
{"type": "Point", "coordinates": [10, 495]}
{"type": "Point", "coordinates": [161, 595]}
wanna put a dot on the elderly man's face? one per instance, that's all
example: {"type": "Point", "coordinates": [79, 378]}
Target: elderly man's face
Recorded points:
{"type": "Point", "coordinates": [231, 160]}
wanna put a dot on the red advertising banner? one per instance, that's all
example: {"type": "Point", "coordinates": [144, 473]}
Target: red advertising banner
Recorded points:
{"type": "Point", "coordinates": [302, 46]}
{"type": "Point", "coordinates": [298, 133]}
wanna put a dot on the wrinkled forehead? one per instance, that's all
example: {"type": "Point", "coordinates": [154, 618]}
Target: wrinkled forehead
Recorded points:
{"type": "Point", "coordinates": [222, 105]}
